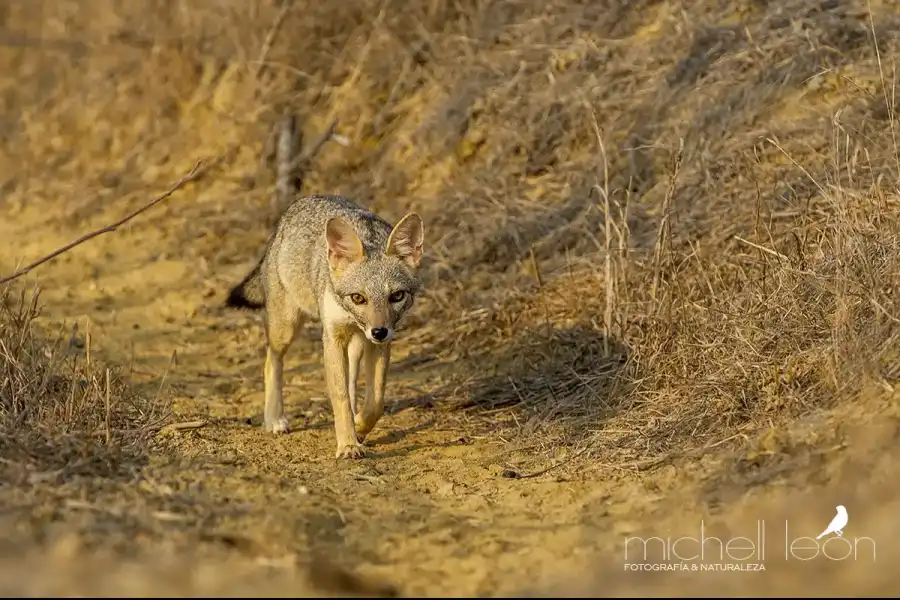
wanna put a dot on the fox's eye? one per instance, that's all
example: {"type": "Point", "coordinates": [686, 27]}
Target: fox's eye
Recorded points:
{"type": "Point", "coordinates": [397, 296]}
{"type": "Point", "coordinates": [357, 299]}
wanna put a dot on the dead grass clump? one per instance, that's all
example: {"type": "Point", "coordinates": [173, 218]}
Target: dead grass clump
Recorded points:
{"type": "Point", "coordinates": [761, 336]}
{"type": "Point", "coordinates": [62, 415]}
{"type": "Point", "coordinates": [706, 345]}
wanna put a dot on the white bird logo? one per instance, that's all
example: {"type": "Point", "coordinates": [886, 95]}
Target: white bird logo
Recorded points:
{"type": "Point", "coordinates": [837, 523]}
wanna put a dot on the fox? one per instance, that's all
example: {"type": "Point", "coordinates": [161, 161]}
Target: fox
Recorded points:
{"type": "Point", "coordinates": [331, 260]}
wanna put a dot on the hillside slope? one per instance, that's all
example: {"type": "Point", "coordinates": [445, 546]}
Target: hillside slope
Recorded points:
{"type": "Point", "coordinates": [723, 348]}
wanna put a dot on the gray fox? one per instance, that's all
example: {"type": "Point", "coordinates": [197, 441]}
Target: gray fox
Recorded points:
{"type": "Point", "coordinates": [332, 260]}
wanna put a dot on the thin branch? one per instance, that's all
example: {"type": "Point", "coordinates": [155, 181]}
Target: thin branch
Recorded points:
{"type": "Point", "coordinates": [270, 38]}
{"type": "Point", "coordinates": [511, 474]}
{"type": "Point", "coordinates": [664, 234]}
{"type": "Point", "coordinates": [291, 163]}
{"type": "Point", "coordinates": [108, 411]}
{"type": "Point", "coordinates": [287, 179]}
{"type": "Point", "coordinates": [184, 426]}
{"type": "Point", "coordinates": [761, 248]}
{"type": "Point", "coordinates": [310, 153]}
{"type": "Point", "coordinates": [193, 174]}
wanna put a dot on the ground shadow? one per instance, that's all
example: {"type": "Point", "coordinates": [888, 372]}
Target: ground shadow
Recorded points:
{"type": "Point", "coordinates": [396, 435]}
{"type": "Point", "coordinates": [571, 377]}
{"type": "Point", "coordinates": [409, 448]}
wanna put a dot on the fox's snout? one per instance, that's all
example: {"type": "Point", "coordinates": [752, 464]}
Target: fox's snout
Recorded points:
{"type": "Point", "coordinates": [380, 335]}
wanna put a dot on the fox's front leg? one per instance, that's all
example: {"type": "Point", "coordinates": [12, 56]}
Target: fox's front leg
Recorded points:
{"type": "Point", "coordinates": [336, 376]}
{"type": "Point", "coordinates": [377, 359]}
{"type": "Point", "coordinates": [354, 356]}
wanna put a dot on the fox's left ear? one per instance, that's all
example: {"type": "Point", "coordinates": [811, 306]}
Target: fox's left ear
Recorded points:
{"type": "Point", "coordinates": [406, 240]}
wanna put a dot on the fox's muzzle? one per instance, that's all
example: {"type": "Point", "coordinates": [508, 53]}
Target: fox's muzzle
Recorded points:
{"type": "Point", "coordinates": [380, 335]}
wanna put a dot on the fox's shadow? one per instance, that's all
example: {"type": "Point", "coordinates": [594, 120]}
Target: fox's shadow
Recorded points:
{"type": "Point", "coordinates": [573, 377]}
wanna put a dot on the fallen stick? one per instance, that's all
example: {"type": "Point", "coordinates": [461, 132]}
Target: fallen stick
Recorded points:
{"type": "Point", "coordinates": [193, 174]}
{"type": "Point", "coordinates": [184, 426]}
{"type": "Point", "coordinates": [512, 474]}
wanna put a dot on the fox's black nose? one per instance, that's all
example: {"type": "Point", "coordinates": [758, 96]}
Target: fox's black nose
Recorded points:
{"type": "Point", "coordinates": [379, 333]}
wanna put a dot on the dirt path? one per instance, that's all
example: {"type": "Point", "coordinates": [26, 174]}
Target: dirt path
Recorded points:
{"type": "Point", "coordinates": [486, 118]}
{"type": "Point", "coordinates": [430, 510]}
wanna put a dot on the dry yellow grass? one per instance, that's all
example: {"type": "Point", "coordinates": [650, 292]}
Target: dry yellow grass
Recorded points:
{"type": "Point", "coordinates": [663, 253]}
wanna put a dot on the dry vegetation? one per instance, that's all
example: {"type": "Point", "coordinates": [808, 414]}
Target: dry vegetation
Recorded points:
{"type": "Point", "coordinates": [61, 417]}
{"type": "Point", "coordinates": [663, 248]}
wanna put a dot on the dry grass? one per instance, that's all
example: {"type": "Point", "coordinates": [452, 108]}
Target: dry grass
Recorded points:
{"type": "Point", "coordinates": [75, 438]}
{"type": "Point", "coordinates": [658, 231]}
{"type": "Point", "coordinates": [63, 417]}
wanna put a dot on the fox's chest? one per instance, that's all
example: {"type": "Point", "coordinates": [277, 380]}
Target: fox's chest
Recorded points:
{"type": "Point", "coordinates": [333, 315]}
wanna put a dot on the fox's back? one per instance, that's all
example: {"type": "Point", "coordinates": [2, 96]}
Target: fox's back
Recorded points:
{"type": "Point", "coordinates": [297, 254]}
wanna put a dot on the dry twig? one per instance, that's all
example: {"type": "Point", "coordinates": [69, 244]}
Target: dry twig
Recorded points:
{"type": "Point", "coordinates": [193, 174]}
{"type": "Point", "coordinates": [287, 179]}
{"type": "Point", "coordinates": [270, 38]}
{"type": "Point", "coordinates": [311, 152]}
{"type": "Point", "coordinates": [511, 474]}
{"type": "Point", "coordinates": [290, 163]}
{"type": "Point", "coordinates": [185, 426]}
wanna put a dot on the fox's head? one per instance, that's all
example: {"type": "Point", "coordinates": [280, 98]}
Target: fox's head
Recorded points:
{"type": "Point", "coordinates": [376, 287]}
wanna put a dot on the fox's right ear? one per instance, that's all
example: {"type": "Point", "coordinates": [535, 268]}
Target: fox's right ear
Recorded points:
{"type": "Point", "coordinates": [344, 246]}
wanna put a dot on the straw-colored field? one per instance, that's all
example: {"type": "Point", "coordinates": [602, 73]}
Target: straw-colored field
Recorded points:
{"type": "Point", "coordinates": [663, 252]}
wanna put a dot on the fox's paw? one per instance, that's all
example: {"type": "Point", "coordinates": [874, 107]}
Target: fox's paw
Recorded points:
{"type": "Point", "coordinates": [363, 428]}
{"type": "Point", "coordinates": [349, 451]}
{"type": "Point", "coordinates": [278, 426]}
{"type": "Point", "coordinates": [362, 437]}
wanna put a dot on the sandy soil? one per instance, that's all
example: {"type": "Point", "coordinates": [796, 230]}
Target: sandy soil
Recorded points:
{"type": "Point", "coordinates": [480, 481]}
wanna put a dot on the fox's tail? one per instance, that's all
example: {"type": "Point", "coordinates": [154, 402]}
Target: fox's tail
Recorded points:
{"type": "Point", "coordinates": [249, 293]}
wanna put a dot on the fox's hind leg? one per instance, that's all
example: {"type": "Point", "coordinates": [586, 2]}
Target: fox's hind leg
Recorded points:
{"type": "Point", "coordinates": [281, 327]}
